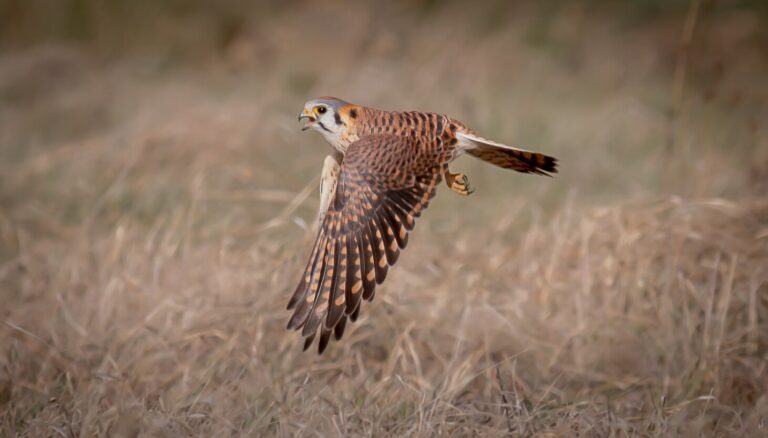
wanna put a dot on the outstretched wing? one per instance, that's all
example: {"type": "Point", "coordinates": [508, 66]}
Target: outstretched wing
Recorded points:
{"type": "Point", "coordinates": [385, 183]}
{"type": "Point", "coordinates": [329, 177]}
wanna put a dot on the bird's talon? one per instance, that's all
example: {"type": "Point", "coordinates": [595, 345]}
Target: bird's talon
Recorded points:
{"type": "Point", "coordinates": [459, 183]}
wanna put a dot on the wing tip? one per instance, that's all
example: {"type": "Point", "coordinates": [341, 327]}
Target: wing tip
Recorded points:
{"type": "Point", "coordinates": [308, 341]}
{"type": "Point", "coordinates": [325, 336]}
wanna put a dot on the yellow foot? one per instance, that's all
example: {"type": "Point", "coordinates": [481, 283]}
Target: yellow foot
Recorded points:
{"type": "Point", "coordinates": [459, 183]}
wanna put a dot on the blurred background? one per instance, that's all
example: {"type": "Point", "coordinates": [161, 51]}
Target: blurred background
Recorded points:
{"type": "Point", "coordinates": [156, 196]}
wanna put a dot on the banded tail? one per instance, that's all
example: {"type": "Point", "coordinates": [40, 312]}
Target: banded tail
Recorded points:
{"type": "Point", "coordinates": [508, 157]}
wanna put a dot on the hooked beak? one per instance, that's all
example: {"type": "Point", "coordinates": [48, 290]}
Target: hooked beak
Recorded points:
{"type": "Point", "coordinates": [310, 119]}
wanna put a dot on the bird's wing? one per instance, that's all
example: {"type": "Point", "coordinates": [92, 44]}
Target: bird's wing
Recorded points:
{"type": "Point", "coordinates": [329, 177]}
{"type": "Point", "coordinates": [385, 183]}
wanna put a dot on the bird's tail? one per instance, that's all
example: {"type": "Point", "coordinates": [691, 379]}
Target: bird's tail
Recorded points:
{"type": "Point", "coordinates": [507, 157]}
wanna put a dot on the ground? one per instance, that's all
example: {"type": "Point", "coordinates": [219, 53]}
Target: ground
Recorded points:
{"type": "Point", "coordinates": [157, 197]}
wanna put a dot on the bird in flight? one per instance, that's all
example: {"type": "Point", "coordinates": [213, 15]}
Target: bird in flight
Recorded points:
{"type": "Point", "coordinates": [384, 170]}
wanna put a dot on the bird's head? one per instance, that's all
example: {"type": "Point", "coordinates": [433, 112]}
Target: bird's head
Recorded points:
{"type": "Point", "coordinates": [331, 117]}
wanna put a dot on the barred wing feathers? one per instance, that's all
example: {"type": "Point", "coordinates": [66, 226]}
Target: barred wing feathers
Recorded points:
{"type": "Point", "coordinates": [385, 183]}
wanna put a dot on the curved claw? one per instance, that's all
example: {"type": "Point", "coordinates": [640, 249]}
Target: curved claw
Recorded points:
{"type": "Point", "coordinates": [459, 183]}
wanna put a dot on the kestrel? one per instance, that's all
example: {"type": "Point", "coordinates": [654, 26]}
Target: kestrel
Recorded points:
{"type": "Point", "coordinates": [385, 169]}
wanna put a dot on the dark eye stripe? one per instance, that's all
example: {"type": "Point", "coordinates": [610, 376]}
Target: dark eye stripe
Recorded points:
{"type": "Point", "coordinates": [337, 118]}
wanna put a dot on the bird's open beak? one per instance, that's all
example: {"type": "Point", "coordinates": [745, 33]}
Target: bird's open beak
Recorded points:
{"type": "Point", "coordinates": [310, 119]}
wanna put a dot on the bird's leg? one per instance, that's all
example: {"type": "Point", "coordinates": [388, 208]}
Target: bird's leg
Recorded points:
{"type": "Point", "coordinates": [458, 182]}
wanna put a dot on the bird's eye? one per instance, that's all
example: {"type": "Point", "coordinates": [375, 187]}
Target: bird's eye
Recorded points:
{"type": "Point", "coordinates": [321, 110]}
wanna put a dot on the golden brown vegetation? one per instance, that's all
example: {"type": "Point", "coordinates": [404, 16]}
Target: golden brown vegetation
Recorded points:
{"type": "Point", "coordinates": [155, 193]}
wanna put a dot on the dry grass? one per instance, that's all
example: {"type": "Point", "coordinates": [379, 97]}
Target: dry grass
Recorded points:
{"type": "Point", "coordinates": [153, 211]}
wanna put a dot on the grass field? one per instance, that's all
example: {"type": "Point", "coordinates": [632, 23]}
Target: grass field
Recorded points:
{"type": "Point", "coordinates": [156, 191]}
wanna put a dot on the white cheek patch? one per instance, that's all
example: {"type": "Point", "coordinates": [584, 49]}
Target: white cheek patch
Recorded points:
{"type": "Point", "coordinates": [331, 137]}
{"type": "Point", "coordinates": [332, 132]}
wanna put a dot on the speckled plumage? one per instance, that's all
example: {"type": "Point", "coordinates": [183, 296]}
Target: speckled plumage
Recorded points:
{"type": "Point", "coordinates": [386, 169]}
